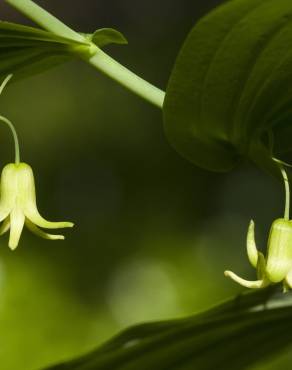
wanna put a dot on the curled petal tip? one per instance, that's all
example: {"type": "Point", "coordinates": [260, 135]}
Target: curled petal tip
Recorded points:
{"type": "Point", "coordinates": [64, 224]}
{"type": "Point", "coordinates": [52, 236]}
{"type": "Point", "coordinates": [252, 251]}
{"type": "Point", "coordinates": [32, 214]}
{"type": "Point", "coordinates": [12, 246]}
{"type": "Point", "coordinates": [5, 226]}
{"type": "Point", "coordinates": [33, 228]}
{"type": "Point", "coordinates": [257, 284]}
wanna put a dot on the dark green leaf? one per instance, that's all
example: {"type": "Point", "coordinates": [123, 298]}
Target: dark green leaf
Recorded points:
{"type": "Point", "coordinates": [231, 336]}
{"type": "Point", "coordinates": [18, 31]}
{"type": "Point", "coordinates": [106, 36]}
{"type": "Point", "coordinates": [26, 50]}
{"type": "Point", "coordinates": [230, 89]}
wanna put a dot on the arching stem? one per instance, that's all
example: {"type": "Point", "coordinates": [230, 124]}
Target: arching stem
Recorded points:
{"type": "Point", "coordinates": [287, 193]}
{"type": "Point", "coordinates": [45, 19]}
{"type": "Point", "coordinates": [100, 60]}
{"type": "Point", "coordinates": [10, 125]}
{"type": "Point", "coordinates": [113, 69]}
{"type": "Point", "coordinates": [287, 187]}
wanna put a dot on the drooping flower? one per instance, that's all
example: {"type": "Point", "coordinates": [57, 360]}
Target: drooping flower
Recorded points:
{"type": "Point", "coordinates": [277, 267]}
{"type": "Point", "coordinates": [18, 205]}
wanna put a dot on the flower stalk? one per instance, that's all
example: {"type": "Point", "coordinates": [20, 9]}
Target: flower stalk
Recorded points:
{"type": "Point", "coordinates": [18, 197]}
{"type": "Point", "coordinates": [9, 123]}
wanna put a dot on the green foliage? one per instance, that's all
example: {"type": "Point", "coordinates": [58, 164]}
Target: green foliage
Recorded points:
{"type": "Point", "coordinates": [230, 91]}
{"type": "Point", "coordinates": [227, 97]}
{"type": "Point", "coordinates": [231, 336]}
{"type": "Point", "coordinates": [105, 36]}
{"type": "Point", "coordinates": [27, 50]}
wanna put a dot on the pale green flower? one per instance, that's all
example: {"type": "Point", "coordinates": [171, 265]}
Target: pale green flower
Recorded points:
{"type": "Point", "coordinates": [18, 205]}
{"type": "Point", "coordinates": [277, 267]}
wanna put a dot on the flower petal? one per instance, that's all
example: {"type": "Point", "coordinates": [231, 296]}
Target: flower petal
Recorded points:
{"type": "Point", "coordinates": [33, 215]}
{"type": "Point", "coordinates": [9, 189]}
{"type": "Point", "coordinates": [17, 221]}
{"type": "Point", "coordinates": [261, 267]}
{"type": "Point", "coordinates": [279, 250]}
{"type": "Point", "coordinates": [288, 279]}
{"type": "Point", "coordinates": [34, 229]}
{"type": "Point", "coordinates": [4, 212]}
{"type": "Point", "coordinates": [246, 283]}
{"type": "Point", "coordinates": [5, 226]}
{"type": "Point", "coordinates": [252, 251]}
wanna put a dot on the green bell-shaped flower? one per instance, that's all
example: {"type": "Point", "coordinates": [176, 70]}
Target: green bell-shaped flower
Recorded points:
{"type": "Point", "coordinates": [18, 205]}
{"type": "Point", "coordinates": [18, 197]}
{"type": "Point", "coordinates": [277, 267]}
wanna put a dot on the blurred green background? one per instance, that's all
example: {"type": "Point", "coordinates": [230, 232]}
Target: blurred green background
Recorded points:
{"type": "Point", "coordinates": [153, 233]}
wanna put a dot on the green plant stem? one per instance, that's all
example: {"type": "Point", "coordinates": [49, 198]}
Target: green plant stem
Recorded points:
{"type": "Point", "coordinates": [9, 124]}
{"type": "Point", "coordinates": [15, 138]}
{"type": "Point", "coordinates": [45, 19]}
{"type": "Point", "coordinates": [130, 80]}
{"type": "Point", "coordinates": [287, 193]}
{"type": "Point", "coordinates": [281, 165]}
{"type": "Point", "coordinates": [99, 60]}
